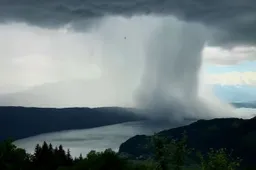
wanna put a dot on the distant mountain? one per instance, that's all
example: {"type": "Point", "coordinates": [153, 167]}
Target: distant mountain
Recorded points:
{"type": "Point", "coordinates": [235, 94]}
{"type": "Point", "coordinates": [22, 122]}
{"type": "Point", "coordinates": [230, 133]}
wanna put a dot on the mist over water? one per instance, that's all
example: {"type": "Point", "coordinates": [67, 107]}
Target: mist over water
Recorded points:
{"type": "Point", "coordinates": [149, 62]}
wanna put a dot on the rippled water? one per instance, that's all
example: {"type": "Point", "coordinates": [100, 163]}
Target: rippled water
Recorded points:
{"type": "Point", "coordinates": [82, 141]}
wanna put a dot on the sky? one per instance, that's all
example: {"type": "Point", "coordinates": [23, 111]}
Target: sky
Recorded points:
{"type": "Point", "coordinates": [63, 52]}
{"type": "Point", "coordinates": [245, 66]}
{"type": "Point", "coordinates": [232, 73]}
{"type": "Point", "coordinates": [231, 67]}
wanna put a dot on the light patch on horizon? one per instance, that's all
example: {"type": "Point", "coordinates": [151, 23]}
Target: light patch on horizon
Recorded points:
{"type": "Point", "coordinates": [241, 67]}
{"type": "Point", "coordinates": [243, 73]}
{"type": "Point", "coordinates": [232, 78]}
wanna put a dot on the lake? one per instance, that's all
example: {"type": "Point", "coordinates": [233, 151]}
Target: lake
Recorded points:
{"type": "Point", "coordinates": [101, 138]}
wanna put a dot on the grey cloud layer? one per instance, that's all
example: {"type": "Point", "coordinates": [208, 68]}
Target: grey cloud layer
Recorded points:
{"type": "Point", "coordinates": [235, 19]}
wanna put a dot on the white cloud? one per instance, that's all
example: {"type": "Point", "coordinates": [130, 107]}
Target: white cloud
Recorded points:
{"type": "Point", "coordinates": [231, 78]}
{"type": "Point", "coordinates": [32, 57]}
{"type": "Point", "coordinates": [235, 55]}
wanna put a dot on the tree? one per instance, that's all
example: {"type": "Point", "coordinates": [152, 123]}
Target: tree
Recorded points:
{"type": "Point", "coordinates": [181, 151]}
{"type": "Point", "coordinates": [80, 157]}
{"type": "Point", "coordinates": [12, 157]}
{"type": "Point", "coordinates": [50, 148]}
{"type": "Point", "coordinates": [168, 154]}
{"type": "Point", "coordinates": [69, 159]}
{"type": "Point", "coordinates": [161, 150]}
{"type": "Point", "coordinates": [169, 151]}
{"type": "Point", "coordinates": [218, 160]}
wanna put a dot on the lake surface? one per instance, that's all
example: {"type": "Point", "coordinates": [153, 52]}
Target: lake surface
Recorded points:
{"type": "Point", "coordinates": [83, 141]}
{"type": "Point", "coordinates": [101, 138]}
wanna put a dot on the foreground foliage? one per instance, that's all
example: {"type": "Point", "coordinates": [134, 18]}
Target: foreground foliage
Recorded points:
{"type": "Point", "coordinates": [168, 155]}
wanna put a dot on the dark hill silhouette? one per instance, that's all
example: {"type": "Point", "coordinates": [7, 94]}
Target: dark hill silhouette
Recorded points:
{"type": "Point", "coordinates": [231, 133]}
{"type": "Point", "coordinates": [22, 122]}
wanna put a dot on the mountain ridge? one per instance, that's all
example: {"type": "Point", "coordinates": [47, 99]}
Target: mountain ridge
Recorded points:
{"type": "Point", "coordinates": [21, 122]}
{"type": "Point", "coordinates": [236, 135]}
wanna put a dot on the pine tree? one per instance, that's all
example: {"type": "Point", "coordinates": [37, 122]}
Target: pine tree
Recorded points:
{"type": "Point", "coordinates": [51, 147]}
{"type": "Point", "coordinates": [37, 155]}
{"type": "Point", "coordinates": [69, 158]}
{"type": "Point", "coordinates": [80, 157]}
{"type": "Point", "coordinates": [61, 155]}
{"type": "Point", "coordinates": [45, 146]}
{"type": "Point", "coordinates": [56, 150]}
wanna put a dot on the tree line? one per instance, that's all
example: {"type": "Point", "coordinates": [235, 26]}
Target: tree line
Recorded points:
{"type": "Point", "coordinates": [166, 155]}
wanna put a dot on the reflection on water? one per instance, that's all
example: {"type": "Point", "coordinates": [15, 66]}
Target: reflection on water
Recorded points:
{"type": "Point", "coordinates": [82, 141]}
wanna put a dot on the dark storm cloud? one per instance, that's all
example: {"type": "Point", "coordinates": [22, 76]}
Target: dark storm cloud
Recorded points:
{"type": "Point", "coordinates": [234, 20]}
